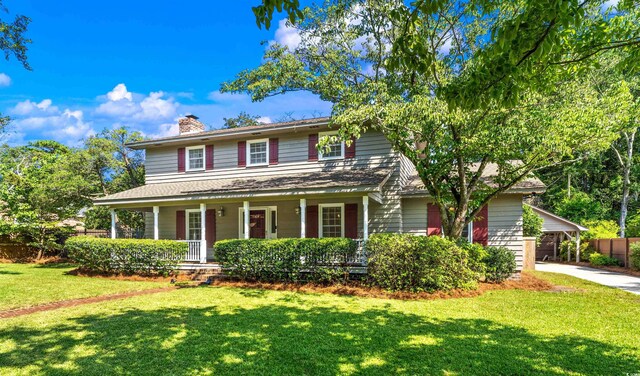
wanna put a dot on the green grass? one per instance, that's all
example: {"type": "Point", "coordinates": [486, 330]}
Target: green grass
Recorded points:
{"type": "Point", "coordinates": [216, 330]}
{"type": "Point", "coordinates": [25, 285]}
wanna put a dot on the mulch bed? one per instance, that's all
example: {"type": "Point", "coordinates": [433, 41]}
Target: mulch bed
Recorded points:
{"type": "Point", "coordinates": [76, 302]}
{"type": "Point", "coordinates": [526, 282]}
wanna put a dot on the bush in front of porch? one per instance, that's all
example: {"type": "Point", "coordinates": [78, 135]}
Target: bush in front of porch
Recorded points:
{"type": "Point", "coordinates": [129, 256]}
{"type": "Point", "coordinates": [324, 260]}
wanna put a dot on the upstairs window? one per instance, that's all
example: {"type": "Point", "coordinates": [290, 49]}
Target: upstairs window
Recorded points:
{"type": "Point", "coordinates": [258, 152]}
{"type": "Point", "coordinates": [334, 149]}
{"type": "Point", "coordinates": [195, 158]}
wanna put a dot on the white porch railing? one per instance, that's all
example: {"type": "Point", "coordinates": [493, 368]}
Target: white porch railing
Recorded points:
{"type": "Point", "coordinates": [360, 256]}
{"type": "Point", "coordinates": [193, 253]}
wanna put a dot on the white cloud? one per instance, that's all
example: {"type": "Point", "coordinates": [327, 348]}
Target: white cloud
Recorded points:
{"type": "Point", "coordinates": [5, 80]}
{"type": "Point", "coordinates": [123, 105]}
{"type": "Point", "coordinates": [287, 35]}
{"type": "Point", "coordinates": [119, 92]}
{"type": "Point", "coordinates": [27, 107]}
{"type": "Point", "coordinates": [264, 120]}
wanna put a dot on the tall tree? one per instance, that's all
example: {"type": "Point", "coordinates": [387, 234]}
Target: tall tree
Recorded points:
{"type": "Point", "coordinates": [41, 184]}
{"type": "Point", "coordinates": [456, 86]}
{"type": "Point", "coordinates": [242, 120]}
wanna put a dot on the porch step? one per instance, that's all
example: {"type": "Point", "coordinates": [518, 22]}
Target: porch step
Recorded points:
{"type": "Point", "coordinates": [201, 272]}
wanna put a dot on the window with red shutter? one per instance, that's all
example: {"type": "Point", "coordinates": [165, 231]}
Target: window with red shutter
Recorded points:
{"type": "Point", "coordinates": [181, 225]}
{"type": "Point", "coordinates": [350, 151]}
{"type": "Point", "coordinates": [312, 221]}
{"type": "Point", "coordinates": [273, 151]}
{"type": "Point", "coordinates": [181, 160]}
{"type": "Point", "coordinates": [351, 221]}
{"type": "Point", "coordinates": [434, 223]}
{"type": "Point", "coordinates": [242, 153]}
{"type": "Point", "coordinates": [313, 147]}
{"type": "Point", "coordinates": [481, 227]}
{"type": "Point", "coordinates": [209, 157]}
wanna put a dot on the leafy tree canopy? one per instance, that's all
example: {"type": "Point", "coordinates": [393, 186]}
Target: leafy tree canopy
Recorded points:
{"type": "Point", "coordinates": [531, 222]}
{"type": "Point", "coordinates": [242, 120]}
{"type": "Point", "coordinates": [456, 85]}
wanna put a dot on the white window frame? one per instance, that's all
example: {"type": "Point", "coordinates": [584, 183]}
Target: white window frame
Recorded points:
{"type": "Point", "coordinates": [267, 212]}
{"type": "Point", "coordinates": [248, 152]}
{"type": "Point", "coordinates": [187, 159]}
{"type": "Point", "coordinates": [332, 205]}
{"type": "Point", "coordinates": [321, 157]}
{"type": "Point", "coordinates": [186, 222]}
{"type": "Point", "coordinates": [469, 232]}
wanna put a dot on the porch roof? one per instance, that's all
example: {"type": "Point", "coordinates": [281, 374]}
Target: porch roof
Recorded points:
{"type": "Point", "coordinates": [345, 181]}
{"type": "Point", "coordinates": [528, 185]}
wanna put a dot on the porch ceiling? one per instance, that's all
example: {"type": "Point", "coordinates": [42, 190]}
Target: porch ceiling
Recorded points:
{"type": "Point", "coordinates": [345, 181]}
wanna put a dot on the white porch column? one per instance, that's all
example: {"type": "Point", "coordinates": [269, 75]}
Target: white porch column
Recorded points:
{"type": "Point", "coordinates": [203, 233]}
{"type": "Point", "coordinates": [303, 217]}
{"type": "Point", "coordinates": [365, 217]}
{"type": "Point", "coordinates": [156, 231]}
{"type": "Point", "coordinates": [245, 206]}
{"type": "Point", "coordinates": [577, 246]}
{"type": "Point", "coordinates": [555, 246]}
{"type": "Point", "coordinates": [113, 223]}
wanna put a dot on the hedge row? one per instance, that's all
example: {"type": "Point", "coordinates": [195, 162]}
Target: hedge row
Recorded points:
{"type": "Point", "coordinates": [287, 260]}
{"type": "Point", "coordinates": [141, 256]}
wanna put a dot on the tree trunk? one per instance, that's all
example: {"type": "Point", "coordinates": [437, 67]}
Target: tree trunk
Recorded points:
{"type": "Point", "coordinates": [626, 164]}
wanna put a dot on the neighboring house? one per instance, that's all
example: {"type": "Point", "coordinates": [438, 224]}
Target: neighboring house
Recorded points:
{"type": "Point", "coordinates": [270, 181]}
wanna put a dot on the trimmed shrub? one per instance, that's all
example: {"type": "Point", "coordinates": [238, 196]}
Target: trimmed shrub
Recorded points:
{"type": "Point", "coordinates": [602, 260]}
{"type": "Point", "coordinates": [403, 262]}
{"type": "Point", "coordinates": [500, 263]}
{"type": "Point", "coordinates": [569, 247]}
{"type": "Point", "coordinates": [477, 255]}
{"type": "Point", "coordinates": [321, 260]}
{"type": "Point", "coordinates": [142, 256]}
{"type": "Point", "coordinates": [634, 255]}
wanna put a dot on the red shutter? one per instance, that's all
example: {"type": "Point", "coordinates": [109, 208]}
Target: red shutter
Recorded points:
{"type": "Point", "coordinates": [210, 224]}
{"type": "Point", "coordinates": [180, 225]}
{"type": "Point", "coordinates": [242, 153]}
{"type": "Point", "coordinates": [312, 221]}
{"type": "Point", "coordinates": [351, 221]}
{"type": "Point", "coordinates": [209, 157]}
{"type": "Point", "coordinates": [350, 151]}
{"type": "Point", "coordinates": [313, 147]}
{"type": "Point", "coordinates": [181, 159]}
{"type": "Point", "coordinates": [434, 224]}
{"type": "Point", "coordinates": [481, 227]}
{"type": "Point", "coordinates": [273, 151]}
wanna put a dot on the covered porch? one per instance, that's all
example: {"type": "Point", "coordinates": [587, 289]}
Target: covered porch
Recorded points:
{"type": "Point", "coordinates": [201, 224]}
{"type": "Point", "coordinates": [555, 230]}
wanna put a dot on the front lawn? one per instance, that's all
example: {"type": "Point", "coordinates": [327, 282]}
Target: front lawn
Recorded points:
{"type": "Point", "coordinates": [25, 285]}
{"type": "Point", "coordinates": [222, 330]}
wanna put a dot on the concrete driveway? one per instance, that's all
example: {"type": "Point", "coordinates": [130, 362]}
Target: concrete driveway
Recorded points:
{"type": "Point", "coordinates": [603, 277]}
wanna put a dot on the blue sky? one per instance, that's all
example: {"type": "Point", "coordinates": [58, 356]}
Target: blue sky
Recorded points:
{"type": "Point", "coordinates": [139, 64]}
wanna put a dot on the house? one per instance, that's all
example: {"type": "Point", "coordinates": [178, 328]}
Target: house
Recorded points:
{"type": "Point", "coordinates": [271, 181]}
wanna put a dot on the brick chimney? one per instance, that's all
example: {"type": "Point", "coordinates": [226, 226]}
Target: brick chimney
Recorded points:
{"type": "Point", "coordinates": [190, 124]}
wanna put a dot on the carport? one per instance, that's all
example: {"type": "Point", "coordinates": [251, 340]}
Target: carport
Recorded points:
{"type": "Point", "coordinates": [555, 230]}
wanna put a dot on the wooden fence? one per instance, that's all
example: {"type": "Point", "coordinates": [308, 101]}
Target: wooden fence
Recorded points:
{"type": "Point", "coordinates": [616, 247]}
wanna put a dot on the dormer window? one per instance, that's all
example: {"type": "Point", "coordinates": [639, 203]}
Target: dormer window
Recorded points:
{"type": "Point", "coordinates": [258, 152]}
{"type": "Point", "coordinates": [195, 158]}
{"type": "Point", "coordinates": [334, 149]}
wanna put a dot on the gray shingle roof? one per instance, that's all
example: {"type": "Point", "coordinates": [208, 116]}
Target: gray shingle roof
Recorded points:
{"type": "Point", "coordinates": [333, 180]}
{"type": "Point", "coordinates": [414, 185]}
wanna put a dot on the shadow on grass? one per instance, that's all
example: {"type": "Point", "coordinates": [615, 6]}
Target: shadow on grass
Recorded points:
{"type": "Point", "coordinates": [286, 340]}
{"type": "Point", "coordinates": [56, 265]}
{"type": "Point", "coordinates": [9, 272]}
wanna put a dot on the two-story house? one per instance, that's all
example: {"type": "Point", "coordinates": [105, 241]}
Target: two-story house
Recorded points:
{"type": "Point", "coordinates": [271, 181]}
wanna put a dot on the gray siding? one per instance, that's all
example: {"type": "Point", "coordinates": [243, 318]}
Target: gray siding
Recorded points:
{"type": "Point", "coordinates": [372, 151]}
{"type": "Point", "coordinates": [505, 221]}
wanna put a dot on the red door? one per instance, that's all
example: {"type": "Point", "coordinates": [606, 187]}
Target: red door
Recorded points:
{"type": "Point", "coordinates": [257, 224]}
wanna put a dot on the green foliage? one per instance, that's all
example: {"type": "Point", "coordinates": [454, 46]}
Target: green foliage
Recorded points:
{"type": "Point", "coordinates": [498, 89]}
{"type": "Point", "coordinates": [242, 120]}
{"type": "Point", "coordinates": [531, 222]}
{"type": "Point", "coordinates": [568, 247]}
{"type": "Point", "coordinates": [580, 207]}
{"type": "Point", "coordinates": [321, 260]}
{"type": "Point", "coordinates": [403, 262]}
{"type": "Point", "coordinates": [601, 230]}
{"type": "Point", "coordinates": [633, 226]}
{"type": "Point", "coordinates": [634, 255]}
{"type": "Point", "coordinates": [141, 256]}
{"type": "Point", "coordinates": [501, 264]}
{"type": "Point", "coordinates": [601, 260]}
{"type": "Point", "coordinates": [264, 11]}
{"type": "Point", "coordinates": [12, 37]}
